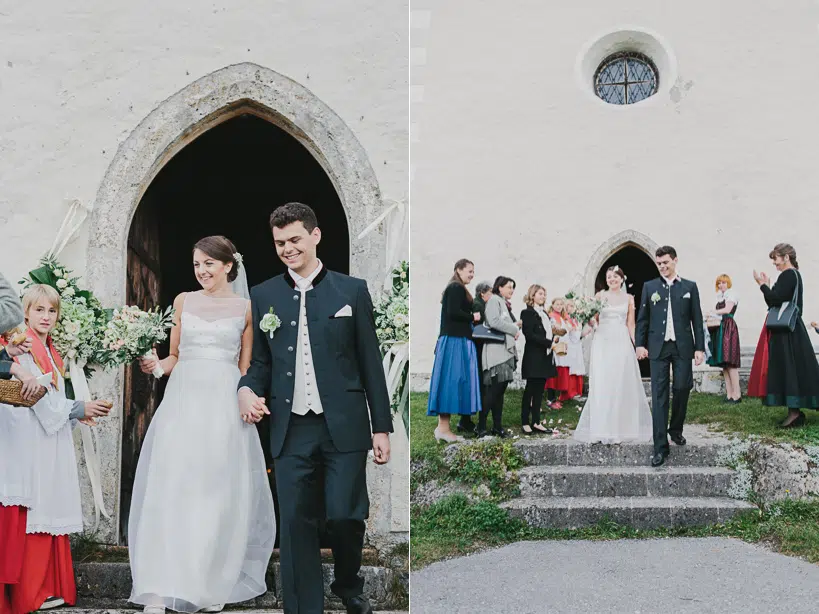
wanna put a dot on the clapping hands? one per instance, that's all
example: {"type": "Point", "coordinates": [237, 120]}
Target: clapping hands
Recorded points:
{"type": "Point", "coordinates": [761, 278]}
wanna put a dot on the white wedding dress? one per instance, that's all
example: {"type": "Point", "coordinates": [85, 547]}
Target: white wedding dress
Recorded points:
{"type": "Point", "coordinates": [616, 410]}
{"type": "Point", "coordinates": [202, 524]}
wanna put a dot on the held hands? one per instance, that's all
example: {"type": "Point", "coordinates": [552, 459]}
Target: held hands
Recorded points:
{"type": "Point", "coordinates": [642, 353]}
{"type": "Point", "coordinates": [381, 448]}
{"type": "Point", "coordinates": [251, 407]}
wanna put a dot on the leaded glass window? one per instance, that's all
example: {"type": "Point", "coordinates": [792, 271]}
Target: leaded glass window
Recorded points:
{"type": "Point", "coordinates": [626, 78]}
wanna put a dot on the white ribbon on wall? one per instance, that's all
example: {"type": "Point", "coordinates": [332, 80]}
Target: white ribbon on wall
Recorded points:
{"type": "Point", "coordinates": [396, 357]}
{"type": "Point", "coordinates": [77, 214]}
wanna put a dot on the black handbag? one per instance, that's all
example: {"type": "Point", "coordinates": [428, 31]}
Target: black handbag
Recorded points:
{"type": "Point", "coordinates": [488, 335]}
{"type": "Point", "coordinates": [785, 316]}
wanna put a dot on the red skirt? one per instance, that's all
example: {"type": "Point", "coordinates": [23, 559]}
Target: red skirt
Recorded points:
{"type": "Point", "coordinates": [12, 542]}
{"type": "Point", "coordinates": [575, 388]}
{"type": "Point", "coordinates": [47, 571]}
{"type": "Point", "coordinates": [561, 382]}
{"type": "Point", "coordinates": [758, 382]}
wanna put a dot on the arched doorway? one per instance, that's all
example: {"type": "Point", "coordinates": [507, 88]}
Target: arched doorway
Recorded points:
{"type": "Point", "coordinates": [639, 268]}
{"type": "Point", "coordinates": [123, 203]}
{"type": "Point", "coordinates": [227, 182]}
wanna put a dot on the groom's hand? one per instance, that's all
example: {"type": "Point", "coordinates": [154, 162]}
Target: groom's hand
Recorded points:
{"type": "Point", "coordinates": [699, 358]}
{"type": "Point", "coordinates": [381, 448]}
{"type": "Point", "coordinates": [251, 407]}
{"type": "Point", "coordinates": [642, 353]}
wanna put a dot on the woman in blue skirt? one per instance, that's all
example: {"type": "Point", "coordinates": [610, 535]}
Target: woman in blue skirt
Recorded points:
{"type": "Point", "coordinates": [455, 387]}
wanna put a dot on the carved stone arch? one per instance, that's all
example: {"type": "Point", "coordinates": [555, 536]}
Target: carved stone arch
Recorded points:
{"type": "Point", "coordinates": [176, 122]}
{"type": "Point", "coordinates": [610, 247]}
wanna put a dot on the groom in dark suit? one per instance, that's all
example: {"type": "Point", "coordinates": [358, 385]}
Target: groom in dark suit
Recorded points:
{"type": "Point", "coordinates": [670, 325]}
{"type": "Point", "coordinates": [317, 366]}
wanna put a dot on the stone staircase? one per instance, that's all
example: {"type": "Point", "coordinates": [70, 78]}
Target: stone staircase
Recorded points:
{"type": "Point", "coordinates": [106, 586]}
{"type": "Point", "coordinates": [568, 484]}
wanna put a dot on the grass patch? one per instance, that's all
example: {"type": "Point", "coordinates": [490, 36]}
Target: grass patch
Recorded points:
{"type": "Point", "coordinates": [455, 527]}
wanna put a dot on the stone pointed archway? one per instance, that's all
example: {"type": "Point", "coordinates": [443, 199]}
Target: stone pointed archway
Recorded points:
{"type": "Point", "coordinates": [176, 122]}
{"type": "Point", "coordinates": [611, 246]}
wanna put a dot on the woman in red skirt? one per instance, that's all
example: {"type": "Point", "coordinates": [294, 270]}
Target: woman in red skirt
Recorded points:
{"type": "Point", "coordinates": [558, 386]}
{"type": "Point", "coordinates": [42, 557]}
{"type": "Point", "coordinates": [758, 381]}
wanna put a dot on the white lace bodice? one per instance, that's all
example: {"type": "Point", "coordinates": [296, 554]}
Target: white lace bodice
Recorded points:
{"type": "Point", "coordinates": [212, 328]}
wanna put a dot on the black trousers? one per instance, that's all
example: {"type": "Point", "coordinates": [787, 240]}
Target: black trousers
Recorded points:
{"type": "Point", "coordinates": [668, 359]}
{"type": "Point", "coordinates": [532, 401]}
{"type": "Point", "coordinates": [493, 401]}
{"type": "Point", "coordinates": [311, 470]}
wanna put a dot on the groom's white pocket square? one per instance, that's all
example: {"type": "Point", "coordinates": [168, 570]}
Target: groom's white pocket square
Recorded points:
{"type": "Point", "coordinates": [687, 295]}
{"type": "Point", "coordinates": [344, 312]}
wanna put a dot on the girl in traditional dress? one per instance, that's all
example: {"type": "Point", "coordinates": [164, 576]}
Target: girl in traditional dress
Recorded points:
{"type": "Point", "coordinates": [725, 339]}
{"type": "Point", "coordinates": [575, 332]}
{"type": "Point", "coordinates": [38, 474]}
{"type": "Point", "coordinates": [558, 386]}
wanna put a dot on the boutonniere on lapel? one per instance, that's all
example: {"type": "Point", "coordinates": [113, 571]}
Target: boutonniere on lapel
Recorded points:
{"type": "Point", "coordinates": [655, 298]}
{"type": "Point", "coordinates": [270, 323]}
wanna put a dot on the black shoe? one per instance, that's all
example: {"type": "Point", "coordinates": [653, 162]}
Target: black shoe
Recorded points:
{"type": "Point", "coordinates": [357, 605]}
{"type": "Point", "coordinates": [481, 433]}
{"type": "Point", "coordinates": [468, 427]}
{"type": "Point", "coordinates": [531, 431]}
{"type": "Point", "coordinates": [797, 422]}
{"type": "Point", "coordinates": [500, 433]}
{"type": "Point", "coordinates": [658, 459]}
{"type": "Point", "coordinates": [678, 439]}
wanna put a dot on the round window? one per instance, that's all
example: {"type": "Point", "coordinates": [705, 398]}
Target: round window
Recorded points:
{"type": "Point", "coordinates": [626, 78]}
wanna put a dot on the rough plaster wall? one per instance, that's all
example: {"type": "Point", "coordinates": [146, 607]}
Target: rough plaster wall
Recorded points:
{"type": "Point", "coordinates": [517, 168]}
{"type": "Point", "coordinates": [76, 78]}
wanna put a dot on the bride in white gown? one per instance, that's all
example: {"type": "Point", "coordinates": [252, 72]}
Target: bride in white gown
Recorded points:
{"type": "Point", "coordinates": [202, 524]}
{"type": "Point", "coordinates": [616, 410]}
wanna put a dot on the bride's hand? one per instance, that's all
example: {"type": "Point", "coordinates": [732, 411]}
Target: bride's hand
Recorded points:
{"type": "Point", "coordinates": [147, 366]}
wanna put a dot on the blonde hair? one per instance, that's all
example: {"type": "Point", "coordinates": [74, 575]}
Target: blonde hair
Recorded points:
{"type": "Point", "coordinates": [722, 278]}
{"type": "Point", "coordinates": [555, 300]}
{"type": "Point", "coordinates": [34, 294]}
{"type": "Point", "coordinates": [565, 313]}
{"type": "Point", "coordinates": [529, 299]}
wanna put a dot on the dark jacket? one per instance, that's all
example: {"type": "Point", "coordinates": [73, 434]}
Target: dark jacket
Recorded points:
{"type": "Point", "coordinates": [479, 307]}
{"type": "Point", "coordinates": [346, 357]}
{"type": "Point", "coordinates": [685, 309]}
{"type": "Point", "coordinates": [456, 312]}
{"type": "Point", "coordinates": [538, 362]}
{"type": "Point", "coordinates": [5, 365]}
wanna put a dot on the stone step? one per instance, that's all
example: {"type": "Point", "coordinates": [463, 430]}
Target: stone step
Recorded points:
{"type": "Point", "coordinates": [107, 586]}
{"type": "Point", "coordinates": [568, 452]}
{"type": "Point", "coordinates": [585, 481]}
{"type": "Point", "coordinates": [636, 512]}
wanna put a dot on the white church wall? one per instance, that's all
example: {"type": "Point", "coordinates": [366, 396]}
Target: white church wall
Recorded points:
{"type": "Point", "coordinates": [519, 167]}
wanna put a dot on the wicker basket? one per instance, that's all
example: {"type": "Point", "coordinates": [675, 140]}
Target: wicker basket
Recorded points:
{"type": "Point", "coordinates": [560, 348]}
{"type": "Point", "coordinates": [713, 321]}
{"type": "Point", "coordinates": [557, 331]}
{"type": "Point", "coordinates": [11, 393]}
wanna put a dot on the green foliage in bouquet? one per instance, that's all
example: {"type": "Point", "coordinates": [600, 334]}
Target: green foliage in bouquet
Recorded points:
{"type": "Point", "coordinates": [131, 333]}
{"type": "Point", "coordinates": [391, 311]}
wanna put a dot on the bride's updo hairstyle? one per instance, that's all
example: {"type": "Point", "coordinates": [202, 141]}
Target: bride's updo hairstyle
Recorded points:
{"type": "Point", "coordinates": [222, 249]}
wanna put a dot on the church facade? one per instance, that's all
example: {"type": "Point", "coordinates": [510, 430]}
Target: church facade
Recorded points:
{"type": "Point", "coordinates": [552, 142]}
{"type": "Point", "coordinates": [164, 126]}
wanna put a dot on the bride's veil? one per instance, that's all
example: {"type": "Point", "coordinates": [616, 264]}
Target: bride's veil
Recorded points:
{"type": "Point", "coordinates": [239, 285]}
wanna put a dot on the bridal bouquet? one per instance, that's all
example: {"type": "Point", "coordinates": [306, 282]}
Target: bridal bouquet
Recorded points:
{"type": "Point", "coordinates": [586, 308]}
{"type": "Point", "coordinates": [132, 334]}
{"type": "Point", "coordinates": [391, 311]}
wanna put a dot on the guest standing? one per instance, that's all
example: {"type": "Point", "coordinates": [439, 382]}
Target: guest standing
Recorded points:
{"type": "Point", "coordinates": [499, 360]}
{"type": "Point", "coordinates": [725, 339]}
{"type": "Point", "coordinates": [575, 332]}
{"type": "Point", "coordinates": [758, 380]}
{"type": "Point", "coordinates": [483, 292]}
{"type": "Point", "coordinates": [38, 474]}
{"type": "Point", "coordinates": [455, 386]}
{"type": "Point", "coordinates": [558, 386]}
{"type": "Point", "coordinates": [538, 363]}
{"type": "Point", "coordinates": [793, 373]}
